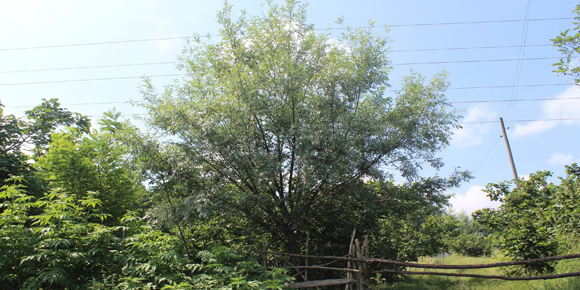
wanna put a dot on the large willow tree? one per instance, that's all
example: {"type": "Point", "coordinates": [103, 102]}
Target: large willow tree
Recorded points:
{"type": "Point", "coordinates": [276, 119]}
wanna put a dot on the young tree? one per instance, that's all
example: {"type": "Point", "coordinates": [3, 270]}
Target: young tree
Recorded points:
{"type": "Point", "coordinates": [524, 226]}
{"type": "Point", "coordinates": [12, 159]}
{"type": "Point", "coordinates": [96, 162]}
{"type": "Point", "coordinates": [275, 120]}
{"type": "Point", "coordinates": [18, 135]}
{"type": "Point", "coordinates": [45, 118]}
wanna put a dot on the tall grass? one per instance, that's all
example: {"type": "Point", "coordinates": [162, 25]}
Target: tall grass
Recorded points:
{"type": "Point", "coordinates": [422, 282]}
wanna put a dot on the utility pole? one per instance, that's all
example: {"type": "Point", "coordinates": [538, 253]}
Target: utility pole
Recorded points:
{"type": "Point", "coordinates": [507, 144]}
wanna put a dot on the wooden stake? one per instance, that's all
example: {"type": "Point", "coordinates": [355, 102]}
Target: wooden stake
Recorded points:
{"type": "Point", "coordinates": [349, 264]}
{"type": "Point", "coordinates": [361, 285]}
{"type": "Point", "coordinates": [306, 259]}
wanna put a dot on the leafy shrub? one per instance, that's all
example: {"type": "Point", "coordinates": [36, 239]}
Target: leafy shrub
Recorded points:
{"type": "Point", "coordinates": [472, 245]}
{"type": "Point", "coordinates": [61, 247]}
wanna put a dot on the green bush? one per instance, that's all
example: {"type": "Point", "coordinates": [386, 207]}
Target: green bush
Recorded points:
{"type": "Point", "coordinates": [472, 245]}
{"type": "Point", "coordinates": [54, 243]}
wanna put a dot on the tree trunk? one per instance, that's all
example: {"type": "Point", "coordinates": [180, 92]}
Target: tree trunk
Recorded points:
{"type": "Point", "coordinates": [293, 247]}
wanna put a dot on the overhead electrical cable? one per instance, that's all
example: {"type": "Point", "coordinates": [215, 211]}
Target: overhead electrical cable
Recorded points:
{"type": "Point", "coordinates": [519, 65]}
{"type": "Point", "coordinates": [183, 74]}
{"type": "Point", "coordinates": [474, 61]}
{"type": "Point", "coordinates": [95, 79]}
{"type": "Point", "coordinates": [319, 29]}
{"type": "Point", "coordinates": [522, 121]}
{"type": "Point", "coordinates": [451, 102]}
{"type": "Point", "coordinates": [509, 86]}
{"type": "Point", "coordinates": [518, 100]}
{"type": "Point", "coordinates": [172, 62]}
{"type": "Point", "coordinates": [469, 47]}
{"type": "Point", "coordinates": [469, 22]}
{"type": "Point", "coordinates": [472, 122]}
{"type": "Point", "coordinates": [88, 67]}
{"type": "Point", "coordinates": [480, 163]}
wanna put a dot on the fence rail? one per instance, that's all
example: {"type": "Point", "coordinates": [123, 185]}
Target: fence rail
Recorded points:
{"type": "Point", "coordinates": [358, 263]}
{"type": "Point", "coordinates": [418, 265]}
{"type": "Point", "coordinates": [542, 277]}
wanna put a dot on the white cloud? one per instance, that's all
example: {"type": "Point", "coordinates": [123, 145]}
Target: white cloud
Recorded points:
{"type": "Point", "coordinates": [565, 107]}
{"type": "Point", "coordinates": [533, 128]}
{"type": "Point", "coordinates": [560, 159]}
{"type": "Point", "coordinates": [472, 134]}
{"type": "Point", "coordinates": [472, 200]}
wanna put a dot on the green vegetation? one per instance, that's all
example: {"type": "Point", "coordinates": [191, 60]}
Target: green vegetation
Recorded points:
{"type": "Point", "coordinates": [421, 282]}
{"type": "Point", "coordinates": [568, 44]}
{"type": "Point", "coordinates": [279, 124]}
{"type": "Point", "coordinates": [67, 246]}
{"type": "Point", "coordinates": [536, 219]}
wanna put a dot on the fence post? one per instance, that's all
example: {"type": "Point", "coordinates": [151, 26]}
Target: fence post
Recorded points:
{"type": "Point", "coordinates": [350, 255]}
{"type": "Point", "coordinates": [361, 265]}
{"type": "Point", "coordinates": [306, 259]}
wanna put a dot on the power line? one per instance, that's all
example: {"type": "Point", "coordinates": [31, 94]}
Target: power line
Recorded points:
{"type": "Point", "coordinates": [486, 155]}
{"type": "Point", "coordinates": [522, 121]}
{"type": "Point", "coordinates": [519, 65]}
{"type": "Point", "coordinates": [183, 74]}
{"type": "Point", "coordinates": [518, 100]}
{"type": "Point", "coordinates": [474, 122]}
{"type": "Point", "coordinates": [471, 122]}
{"type": "Point", "coordinates": [78, 104]}
{"type": "Point", "coordinates": [89, 80]}
{"type": "Point", "coordinates": [94, 43]}
{"type": "Point", "coordinates": [319, 29]}
{"type": "Point", "coordinates": [498, 87]}
{"type": "Point", "coordinates": [478, 22]}
{"type": "Point", "coordinates": [88, 67]}
{"type": "Point", "coordinates": [172, 62]}
{"type": "Point", "coordinates": [468, 48]}
{"type": "Point", "coordinates": [476, 60]}
{"type": "Point", "coordinates": [448, 23]}
{"type": "Point", "coordinates": [451, 102]}
{"type": "Point", "coordinates": [509, 86]}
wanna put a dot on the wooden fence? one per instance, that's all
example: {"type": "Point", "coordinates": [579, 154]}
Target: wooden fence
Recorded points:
{"type": "Point", "coordinates": [358, 261]}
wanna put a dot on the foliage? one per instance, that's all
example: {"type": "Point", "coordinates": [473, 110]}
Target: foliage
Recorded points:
{"type": "Point", "coordinates": [567, 199]}
{"type": "Point", "coordinates": [94, 163]}
{"type": "Point", "coordinates": [413, 222]}
{"type": "Point", "coordinates": [55, 248]}
{"type": "Point", "coordinates": [12, 160]}
{"type": "Point", "coordinates": [16, 135]}
{"type": "Point", "coordinates": [524, 224]}
{"type": "Point", "coordinates": [46, 117]}
{"type": "Point", "coordinates": [276, 121]}
{"type": "Point", "coordinates": [568, 44]}
{"type": "Point", "coordinates": [471, 245]}
{"type": "Point", "coordinates": [470, 240]}
{"type": "Point", "coordinates": [424, 282]}
{"type": "Point", "coordinates": [61, 248]}
{"type": "Point", "coordinates": [536, 217]}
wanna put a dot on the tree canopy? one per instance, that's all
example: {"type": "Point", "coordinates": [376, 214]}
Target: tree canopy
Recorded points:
{"type": "Point", "coordinates": [276, 119]}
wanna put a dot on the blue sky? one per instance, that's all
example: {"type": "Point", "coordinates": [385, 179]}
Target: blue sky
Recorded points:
{"type": "Point", "coordinates": [72, 50]}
